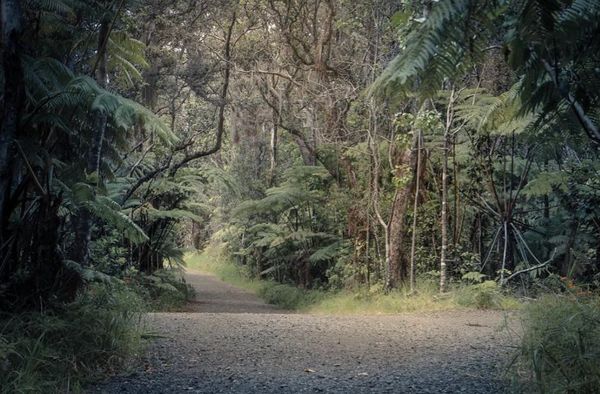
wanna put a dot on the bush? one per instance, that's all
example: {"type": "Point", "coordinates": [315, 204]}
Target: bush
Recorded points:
{"type": "Point", "coordinates": [58, 350]}
{"type": "Point", "coordinates": [484, 295]}
{"type": "Point", "coordinates": [560, 348]}
{"type": "Point", "coordinates": [164, 290]}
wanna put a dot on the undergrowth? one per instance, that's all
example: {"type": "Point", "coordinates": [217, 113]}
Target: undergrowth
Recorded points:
{"type": "Point", "coordinates": [373, 300]}
{"type": "Point", "coordinates": [164, 290]}
{"type": "Point", "coordinates": [560, 346]}
{"type": "Point", "coordinates": [61, 349]}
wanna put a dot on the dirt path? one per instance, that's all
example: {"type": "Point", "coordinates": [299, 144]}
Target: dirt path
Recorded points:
{"type": "Point", "coordinates": [215, 296]}
{"type": "Point", "coordinates": [232, 342]}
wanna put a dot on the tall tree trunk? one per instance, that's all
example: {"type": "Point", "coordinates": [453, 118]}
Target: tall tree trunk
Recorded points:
{"type": "Point", "coordinates": [413, 243]}
{"type": "Point", "coordinates": [444, 219]}
{"type": "Point", "coordinates": [399, 258]}
{"type": "Point", "coordinates": [83, 221]}
{"type": "Point", "coordinates": [309, 156]}
{"type": "Point", "coordinates": [457, 222]}
{"type": "Point", "coordinates": [375, 172]}
{"type": "Point", "coordinates": [11, 18]}
{"type": "Point", "coordinates": [273, 151]}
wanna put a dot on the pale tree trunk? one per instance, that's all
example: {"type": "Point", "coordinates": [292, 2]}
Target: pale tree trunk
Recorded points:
{"type": "Point", "coordinates": [444, 219]}
{"type": "Point", "coordinates": [413, 243]}
{"type": "Point", "coordinates": [11, 18]}
{"type": "Point", "coordinates": [457, 223]}
{"type": "Point", "coordinates": [376, 160]}
{"type": "Point", "coordinates": [273, 152]}
{"type": "Point", "coordinates": [444, 223]}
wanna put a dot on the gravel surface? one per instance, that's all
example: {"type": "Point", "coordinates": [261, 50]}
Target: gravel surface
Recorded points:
{"type": "Point", "coordinates": [229, 342]}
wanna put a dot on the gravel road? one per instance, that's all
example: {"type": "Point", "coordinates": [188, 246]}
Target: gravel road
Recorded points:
{"type": "Point", "coordinates": [229, 341]}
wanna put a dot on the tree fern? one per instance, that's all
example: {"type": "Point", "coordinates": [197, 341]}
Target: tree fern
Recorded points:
{"type": "Point", "coordinates": [53, 6]}
{"type": "Point", "coordinates": [329, 252]}
{"type": "Point", "coordinates": [438, 46]}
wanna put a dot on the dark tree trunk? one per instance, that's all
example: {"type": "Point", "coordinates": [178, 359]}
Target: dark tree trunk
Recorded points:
{"type": "Point", "coordinates": [12, 101]}
{"type": "Point", "coordinates": [399, 255]}
{"type": "Point", "coordinates": [307, 152]}
{"type": "Point", "coordinates": [83, 221]}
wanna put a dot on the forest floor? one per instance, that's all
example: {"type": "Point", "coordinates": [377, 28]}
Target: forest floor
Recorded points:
{"type": "Point", "coordinates": [229, 341]}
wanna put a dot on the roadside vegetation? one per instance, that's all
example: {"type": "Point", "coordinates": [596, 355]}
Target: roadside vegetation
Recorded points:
{"type": "Point", "coordinates": [560, 345]}
{"type": "Point", "coordinates": [63, 348]}
{"type": "Point", "coordinates": [59, 350]}
{"type": "Point", "coordinates": [374, 300]}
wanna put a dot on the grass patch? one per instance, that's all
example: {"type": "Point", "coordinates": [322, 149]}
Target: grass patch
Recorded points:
{"type": "Point", "coordinates": [65, 347]}
{"type": "Point", "coordinates": [60, 350]}
{"type": "Point", "coordinates": [214, 259]}
{"type": "Point", "coordinates": [560, 347]}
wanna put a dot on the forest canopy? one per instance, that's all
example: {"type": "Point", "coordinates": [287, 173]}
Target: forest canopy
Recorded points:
{"type": "Point", "coordinates": [327, 144]}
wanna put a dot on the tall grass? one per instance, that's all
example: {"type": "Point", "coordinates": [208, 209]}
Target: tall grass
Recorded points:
{"type": "Point", "coordinates": [214, 259]}
{"type": "Point", "coordinates": [560, 347]}
{"type": "Point", "coordinates": [58, 351]}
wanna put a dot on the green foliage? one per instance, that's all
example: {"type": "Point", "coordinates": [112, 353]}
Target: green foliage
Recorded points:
{"type": "Point", "coordinates": [288, 297]}
{"type": "Point", "coordinates": [285, 234]}
{"type": "Point", "coordinates": [438, 46]}
{"type": "Point", "coordinates": [474, 276]}
{"type": "Point", "coordinates": [545, 183]}
{"type": "Point", "coordinates": [110, 212]}
{"type": "Point", "coordinates": [164, 290]}
{"type": "Point", "coordinates": [363, 300]}
{"type": "Point", "coordinates": [485, 295]}
{"type": "Point", "coordinates": [58, 351]}
{"type": "Point", "coordinates": [560, 347]}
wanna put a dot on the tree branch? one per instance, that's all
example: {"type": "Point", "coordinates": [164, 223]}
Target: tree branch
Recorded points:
{"type": "Point", "coordinates": [220, 124]}
{"type": "Point", "coordinates": [524, 271]}
{"type": "Point", "coordinates": [586, 122]}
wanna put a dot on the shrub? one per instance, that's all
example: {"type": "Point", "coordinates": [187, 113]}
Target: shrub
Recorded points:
{"type": "Point", "coordinates": [58, 350]}
{"type": "Point", "coordinates": [484, 295]}
{"type": "Point", "coordinates": [164, 290]}
{"type": "Point", "coordinates": [560, 348]}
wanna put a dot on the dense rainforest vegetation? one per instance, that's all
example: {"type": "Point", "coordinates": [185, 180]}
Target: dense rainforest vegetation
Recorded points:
{"type": "Point", "coordinates": [326, 144]}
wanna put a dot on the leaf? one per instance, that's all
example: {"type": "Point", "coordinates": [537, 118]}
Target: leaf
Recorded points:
{"type": "Point", "coordinates": [400, 18]}
{"type": "Point", "coordinates": [110, 211]}
{"type": "Point", "coordinates": [328, 252]}
{"type": "Point", "coordinates": [474, 276]}
{"type": "Point", "coordinates": [82, 192]}
{"type": "Point", "coordinates": [545, 182]}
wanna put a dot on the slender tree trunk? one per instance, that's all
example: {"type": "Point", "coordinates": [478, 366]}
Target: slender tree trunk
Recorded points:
{"type": "Point", "coordinates": [456, 223]}
{"type": "Point", "coordinates": [413, 243]}
{"type": "Point", "coordinates": [83, 221]}
{"type": "Point", "coordinates": [444, 219]}
{"type": "Point", "coordinates": [444, 250]}
{"type": "Point", "coordinates": [376, 168]}
{"type": "Point", "coordinates": [504, 250]}
{"type": "Point", "coordinates": [11, 18]}
{"type": "Point", "coordinates": [273, 152]}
